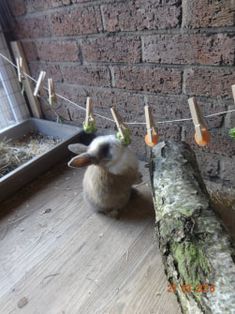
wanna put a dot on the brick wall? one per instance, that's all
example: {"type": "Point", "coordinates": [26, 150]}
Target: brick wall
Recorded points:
{"type": "Point", "coordinates": [132, 53]}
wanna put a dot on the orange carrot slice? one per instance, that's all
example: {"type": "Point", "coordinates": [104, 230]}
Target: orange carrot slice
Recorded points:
{"type": "Point", "coordinates": [154, 140]}
{"type": "Point", "coordinates": [205, 138]}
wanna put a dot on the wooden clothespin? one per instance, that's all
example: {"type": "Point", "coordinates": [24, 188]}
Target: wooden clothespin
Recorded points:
{"type": "Point", "coordinates": [51, 91]}
{"type": "Point", "coordinates": [123, 134]}
{"type": "Point", "coordinates": [232, 131]}
{"type": "Point", "coordinates": [40, 80]}
{"type": "Point", "coordinates": [202, 135]}
{"type": "Point", "coordinates": [233, 91]}
{"type": "Point", "coordinates": [19, 64]}
{"type": "Point", "coordinates": [89, 125]}
{"type": "Point", "coordinates": [151, 138]}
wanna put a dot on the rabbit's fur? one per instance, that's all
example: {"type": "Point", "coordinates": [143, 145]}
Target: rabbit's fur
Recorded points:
{"type": "Point", "coordinates": [112, 170]}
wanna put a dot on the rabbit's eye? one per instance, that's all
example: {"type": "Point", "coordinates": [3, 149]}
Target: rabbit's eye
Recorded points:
{"type": "Point", "coordinates": [104, 151]}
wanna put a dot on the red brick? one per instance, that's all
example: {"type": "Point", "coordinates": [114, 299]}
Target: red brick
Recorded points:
{"type": "Point", "coordinates": [209, 82]}
{"type": "Point", "coordinates": [230, 117]}
{"type": "Point", "coordinates": [228, 170]}
{"type": "Point", "coordinates": [201, 13]}
{"type": "Point", "coordinates": [210, 106]}
{"type": "Point", "coordinates": [138, 144]}
{"type": "Point", "coordinates": [76, 94]}
{"type": "Point", "coordinates": [17, 7]}
{"type": "Point", "coordinates": [52, 70]}
{"type": "Point", "coordinates": [146, 78]}
{"type": "Point", "coordinates": [56, 50]}
{"type": "Point", "coordinates": [222, 143]}
{"type": "Point", "coordinates": [169, 132]}
{"type": "Point", "coordinates": [76, 21]}
{"type": "Point", "coordinates": [33, 27]}
{"type": "Point", "coordinates": [51, 50]}
{"type": "Point", "coordinates": [40, 5]}
{"type": "Point", "coordinates": [168, 107]}
{"type": "Point", "coordinates": [86, 75]}
{"type": "Point", "coordinates": [140, 15]}
{"type": "Point", "coordinates": [212, 49]}
{"type": "Point", "coordinates": [80, 1]}
{"type": "Point", "coordinates": [209, 164]}
{"type": "Point", "coordinates": [30, 50]}
{"type": "Point", "coordinates": [112, 49]}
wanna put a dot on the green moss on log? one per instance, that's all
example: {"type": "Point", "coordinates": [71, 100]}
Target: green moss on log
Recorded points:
{"type": "Point", "coordinates": [191, 262]}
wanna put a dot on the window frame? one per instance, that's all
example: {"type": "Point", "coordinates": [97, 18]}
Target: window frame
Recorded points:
{"type": "Point", "coordinates": [17, 110]}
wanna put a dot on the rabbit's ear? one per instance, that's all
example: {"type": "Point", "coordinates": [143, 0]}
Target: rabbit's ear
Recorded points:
{"type": "Point", "coordinates": [82, 160]}
{"type": "Point", "coordinates": [77, 148]}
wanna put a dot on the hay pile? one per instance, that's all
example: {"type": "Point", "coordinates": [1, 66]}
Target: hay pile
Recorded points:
{"type": "Point", "coordinates": [14, 153]}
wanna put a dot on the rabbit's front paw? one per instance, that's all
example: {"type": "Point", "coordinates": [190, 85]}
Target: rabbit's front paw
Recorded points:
{"type": "Point", "coordinates": [113, 213]}
{"type": "Point", "coordinates": [134, 193]}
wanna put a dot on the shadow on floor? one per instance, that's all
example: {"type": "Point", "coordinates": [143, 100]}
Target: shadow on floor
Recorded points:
{"type": "Point", "coordinates": [140, 207]}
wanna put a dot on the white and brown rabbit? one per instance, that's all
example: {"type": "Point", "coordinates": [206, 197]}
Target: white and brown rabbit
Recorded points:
{"type": "Point", "coordinates": [112, 170]}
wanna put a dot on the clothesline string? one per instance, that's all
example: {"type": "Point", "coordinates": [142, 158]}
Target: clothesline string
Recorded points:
{"type": "Point", "coordinates": [109, 119]}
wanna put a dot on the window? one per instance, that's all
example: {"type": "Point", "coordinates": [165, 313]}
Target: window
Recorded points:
{"type": "Point", "coordinates": [13, 108]}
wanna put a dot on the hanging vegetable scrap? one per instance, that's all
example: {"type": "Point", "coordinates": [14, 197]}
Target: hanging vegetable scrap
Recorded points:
{"type": "Point", "coordinates": [232, 132]}
{"type": "Point", "coordinates": [124, 133]}
{"type": "Point", "coordinates": [151, 138]}
{"type": "Point", "coordinates": [89, 125]}
{"type": "Point", "coordinates": [202, 135]}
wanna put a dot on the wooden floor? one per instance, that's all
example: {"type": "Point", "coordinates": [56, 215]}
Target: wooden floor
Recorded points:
{"type": "Point", "coordinates": [57, 256]}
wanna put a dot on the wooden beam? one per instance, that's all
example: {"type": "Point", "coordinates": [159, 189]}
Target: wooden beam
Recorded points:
{"type": "Point", "coordinates": [33, 102]}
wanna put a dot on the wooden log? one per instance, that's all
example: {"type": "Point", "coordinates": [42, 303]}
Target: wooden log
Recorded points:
{"type": "Point", "coordinates": [17, 50]}
{"type": "Point", "coordinates": [196, 249]}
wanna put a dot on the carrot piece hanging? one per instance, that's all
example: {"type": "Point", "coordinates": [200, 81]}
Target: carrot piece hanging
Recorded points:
{"type": "Point", "coordinates": [202, 135]}
{"type": "Point", "coordinates": [151, 138]}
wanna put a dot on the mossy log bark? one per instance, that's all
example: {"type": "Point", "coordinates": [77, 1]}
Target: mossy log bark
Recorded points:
{"type": "Point", "coordinates": [196, 249]}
